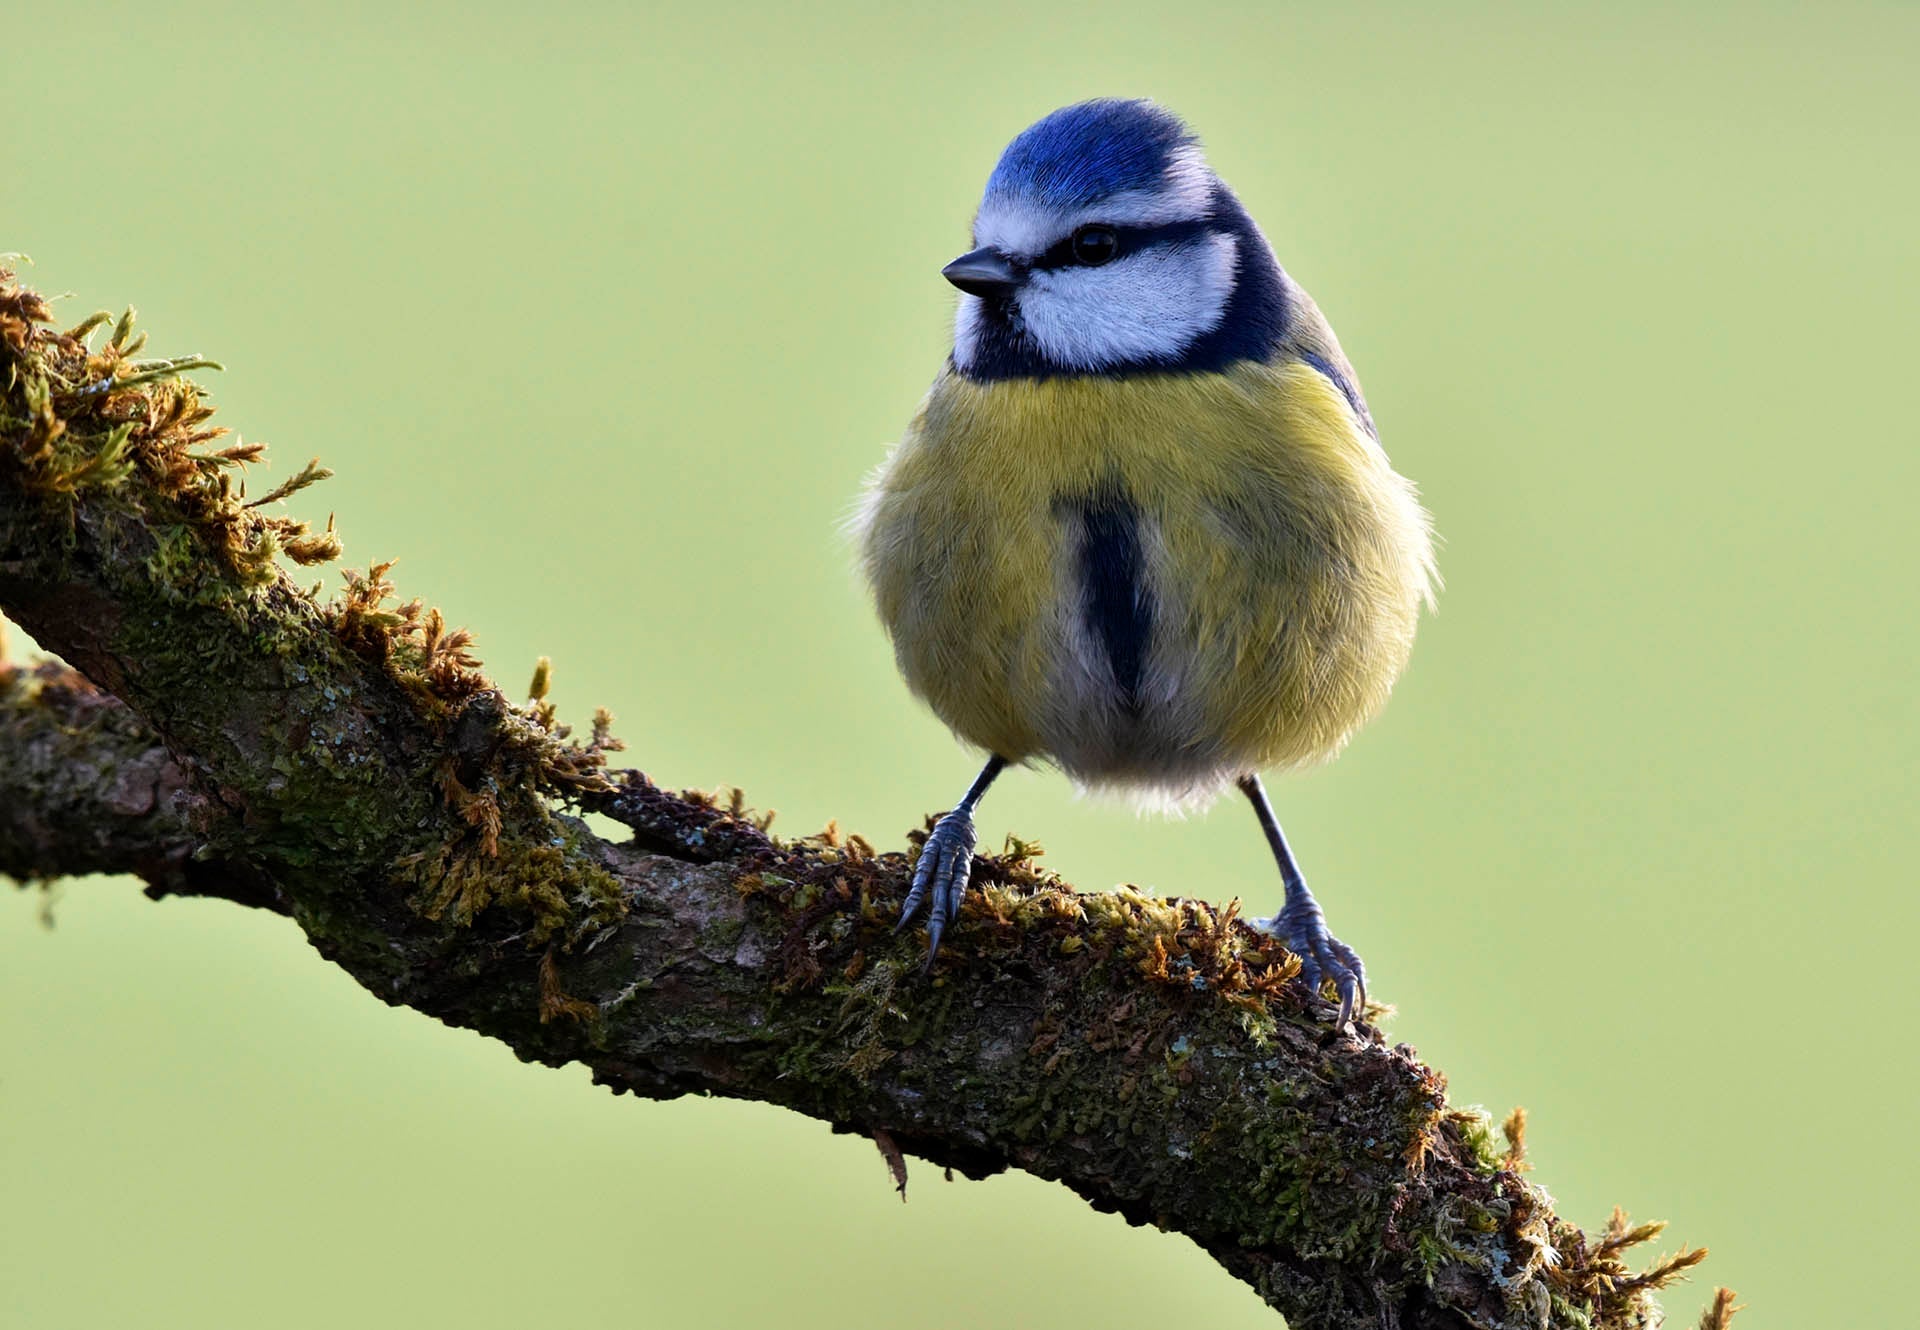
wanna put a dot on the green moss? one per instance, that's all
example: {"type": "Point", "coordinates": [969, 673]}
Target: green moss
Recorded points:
{"type": "Point", "coordinates": [332, 777]}
{"type": "Point", "coordinates": [1476, 1130]}
{"type": "Point", "coordinates": [722, 935]}
{"type": "Point", "coordinates": [1565, 1313]}
{"type": "Point", "coordinates": [556, 886]}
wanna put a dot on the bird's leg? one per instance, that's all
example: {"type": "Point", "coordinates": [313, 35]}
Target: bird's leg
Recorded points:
{"type": "Point", "coordinates": [1300, 923]}
{"type": "Point", "coordinates": [945, 863]}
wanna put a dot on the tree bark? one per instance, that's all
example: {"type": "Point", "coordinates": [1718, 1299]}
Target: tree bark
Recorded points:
{"type": "Point", "coordinates": [345, 763]}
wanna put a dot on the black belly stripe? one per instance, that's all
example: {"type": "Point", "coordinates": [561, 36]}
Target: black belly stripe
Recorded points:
{"type": "Point", "coordinates": [1113, 584]}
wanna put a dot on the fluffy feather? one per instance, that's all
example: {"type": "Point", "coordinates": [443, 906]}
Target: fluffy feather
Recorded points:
{"type": "Point", "coordinates": [1142, 527]}
{"type": "Point", "coordinates": [1285, 559]}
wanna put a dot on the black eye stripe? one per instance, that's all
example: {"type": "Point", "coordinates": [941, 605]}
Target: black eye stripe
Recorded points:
{"type": "Point", "coordinates": [1130, 239]}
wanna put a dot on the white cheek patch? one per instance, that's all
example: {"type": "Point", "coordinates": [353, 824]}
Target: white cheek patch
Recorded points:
{"type": "Point", "coordinates": [1150, 305]}
{"type": "Point", "coordinates": [966, 331]}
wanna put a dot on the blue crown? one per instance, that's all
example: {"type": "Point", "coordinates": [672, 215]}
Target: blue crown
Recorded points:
{"type": "Point", "coordinates": [1084, 153]}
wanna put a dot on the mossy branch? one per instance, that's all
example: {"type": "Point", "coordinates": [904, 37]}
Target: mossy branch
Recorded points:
{"type": "Point", "coordinates": [345, 762]}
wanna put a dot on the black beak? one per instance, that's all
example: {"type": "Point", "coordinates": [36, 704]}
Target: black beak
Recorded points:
{"type": "Point", "coordinates": [984, 272]}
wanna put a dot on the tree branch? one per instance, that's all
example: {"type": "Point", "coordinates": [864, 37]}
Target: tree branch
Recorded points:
{"type": "Point", "coordinates": [346, 763]}
{"type": "Point", "coordinates": [85, 787]}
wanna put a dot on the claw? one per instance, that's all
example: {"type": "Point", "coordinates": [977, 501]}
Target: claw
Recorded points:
{"type": "Point", "coordinates": [1353, 984]}
{"type": "Point", "coordinates": [940, 877]}
{"type": "Point", "coordinates": [936, 913]}
{"type": "Point", "coordinates": [917, 893]}
{"type": "Point", "coordinates": [1322, 956]}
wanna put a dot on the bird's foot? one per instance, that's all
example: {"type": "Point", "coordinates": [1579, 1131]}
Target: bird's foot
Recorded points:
{"type": "Point", "coordinates": [1322, 955]}
{"type": "Point", "coordinates": [940, 877]}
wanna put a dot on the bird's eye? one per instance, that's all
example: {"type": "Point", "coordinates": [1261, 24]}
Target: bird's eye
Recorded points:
{"type": "Point", "coordinates": [1094, 245]}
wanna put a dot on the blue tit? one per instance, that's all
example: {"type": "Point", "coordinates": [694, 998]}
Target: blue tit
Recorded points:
{"type": "Point", "coordinates": [1141, 527]}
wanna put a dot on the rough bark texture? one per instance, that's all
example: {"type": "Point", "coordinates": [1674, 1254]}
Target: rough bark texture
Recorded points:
{"type": "Point", "coordinates": [346, 764]}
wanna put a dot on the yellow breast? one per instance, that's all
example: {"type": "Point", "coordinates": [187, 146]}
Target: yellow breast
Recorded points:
{"type": "Point", "coordinates": [1282, 565]}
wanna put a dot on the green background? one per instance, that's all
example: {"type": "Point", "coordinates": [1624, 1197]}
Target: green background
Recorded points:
{"type": "Point", "coordinates": [601, 315]}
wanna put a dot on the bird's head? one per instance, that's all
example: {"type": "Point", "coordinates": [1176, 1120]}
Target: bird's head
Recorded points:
{"type": "Point", "coordinates": [1105, 244]}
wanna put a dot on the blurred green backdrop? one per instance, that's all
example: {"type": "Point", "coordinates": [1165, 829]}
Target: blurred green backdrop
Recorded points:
{"type": "Point", "coordinates": [570, 295]}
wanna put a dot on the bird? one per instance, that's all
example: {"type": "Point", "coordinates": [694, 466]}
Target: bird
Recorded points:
{"type": "Point", "coordinates": [1141, 527]}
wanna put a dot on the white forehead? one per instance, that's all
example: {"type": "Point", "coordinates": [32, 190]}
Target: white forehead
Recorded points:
{"type": "Point", "coordinates": [1022, 225]}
